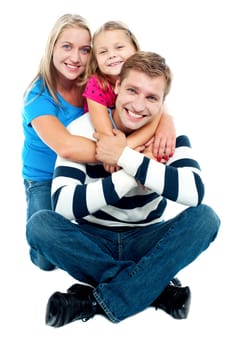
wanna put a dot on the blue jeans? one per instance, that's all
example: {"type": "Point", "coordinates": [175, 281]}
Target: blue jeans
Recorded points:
{"type": "Point", "coordinates": [127, 269]}
{"type": "Point", "coordinates": [38, 196]}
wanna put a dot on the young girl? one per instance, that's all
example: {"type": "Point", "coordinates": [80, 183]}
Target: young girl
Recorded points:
{"type": "Point", "coordinates": [113, 43]}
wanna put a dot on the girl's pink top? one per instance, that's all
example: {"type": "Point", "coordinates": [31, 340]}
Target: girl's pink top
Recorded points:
{"type": "Point", "coordinates": [94, 92]}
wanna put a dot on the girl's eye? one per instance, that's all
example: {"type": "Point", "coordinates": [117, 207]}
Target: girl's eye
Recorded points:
{"type": "Point", "coordinates": [101, 52]}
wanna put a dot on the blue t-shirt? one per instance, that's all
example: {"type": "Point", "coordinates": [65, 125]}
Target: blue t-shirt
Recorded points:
{"type": "Point", "coordinates": [39, 159]}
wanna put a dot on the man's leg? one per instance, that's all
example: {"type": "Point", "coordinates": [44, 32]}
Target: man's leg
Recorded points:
{"type": "Point", "coordinates": [125, 287]}
{"type": "Point", "coordinates": [68, 247]}
{"type": "Point", "coordinates": [136, 287]}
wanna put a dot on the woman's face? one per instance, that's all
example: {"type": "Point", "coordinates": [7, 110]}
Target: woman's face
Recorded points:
{"type": "Point", "coordinates": [71, 52]}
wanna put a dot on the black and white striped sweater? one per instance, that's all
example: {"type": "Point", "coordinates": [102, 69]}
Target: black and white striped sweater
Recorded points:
{"type": "Point", "coordinates": [87, 193]}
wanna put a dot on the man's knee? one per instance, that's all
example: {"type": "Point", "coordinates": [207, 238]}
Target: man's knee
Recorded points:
{"type": "Point", "coordinates": [209, 218]}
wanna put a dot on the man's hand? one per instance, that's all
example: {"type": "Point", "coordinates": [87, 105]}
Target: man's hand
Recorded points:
{"type": "Point", "coordinates": [109, 148]}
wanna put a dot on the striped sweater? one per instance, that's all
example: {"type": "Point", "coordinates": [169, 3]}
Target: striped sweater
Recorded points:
{"type": "Point", "coordinates": [136, 195]}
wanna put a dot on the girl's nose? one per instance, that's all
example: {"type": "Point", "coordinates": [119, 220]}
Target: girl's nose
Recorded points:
{"type": "Point", "coordinates": [112, 54]}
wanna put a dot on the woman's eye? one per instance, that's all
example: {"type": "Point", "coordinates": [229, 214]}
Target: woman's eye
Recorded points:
{"type": "Point", "coordinates": [86, 50]}
{"type": "Point", "coordinates": [66, 46]}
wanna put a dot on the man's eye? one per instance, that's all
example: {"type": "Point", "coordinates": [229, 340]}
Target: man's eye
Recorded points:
{"type": "Point", "coordinates": [153, 98]}
{"type": "Point", "coordinates": [131, 90]}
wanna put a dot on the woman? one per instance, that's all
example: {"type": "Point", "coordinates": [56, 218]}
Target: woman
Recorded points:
{"type": "Point", "coordinates": [52, 101]}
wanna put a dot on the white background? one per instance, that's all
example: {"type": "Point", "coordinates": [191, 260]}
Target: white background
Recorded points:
{"type": "Point", "coordinates": [196, 39]}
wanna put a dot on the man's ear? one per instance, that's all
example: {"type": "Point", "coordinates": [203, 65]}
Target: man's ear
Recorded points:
{"type": "Point", "coordinates": [117, 86]}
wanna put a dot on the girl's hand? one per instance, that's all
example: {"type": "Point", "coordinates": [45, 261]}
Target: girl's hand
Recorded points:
{"type": "Point", "coordinates": [164, 139]}
{"type": "Point", "coordinates": [148, 152]}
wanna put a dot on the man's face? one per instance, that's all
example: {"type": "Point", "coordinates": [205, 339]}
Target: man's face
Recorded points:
{"type": "Point", "coordinates": [139, 100]}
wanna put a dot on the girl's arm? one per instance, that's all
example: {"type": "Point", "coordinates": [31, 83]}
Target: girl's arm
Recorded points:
{"type": "Point", "coordinates": [144, 135]}
{"type": "Point", "coordinates": [58, 138]}
{"type": "Point", "coordinates": [162, 129]}
{"type": "Point", "coordinates": [99, 117]}
{"type": "Point", "coordinates": [164, 137]}
{"type": "Point", "coordinates": [102, 124]}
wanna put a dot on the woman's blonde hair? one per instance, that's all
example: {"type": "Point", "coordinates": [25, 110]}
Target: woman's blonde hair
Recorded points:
{"type": "Point", "coordinates": [92, 65]}
{"type": "Point", "coordinates": [46, 69]}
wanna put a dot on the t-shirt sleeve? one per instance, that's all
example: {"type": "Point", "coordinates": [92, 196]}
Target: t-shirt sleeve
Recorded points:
{"type": "Point", "coordinates": [94, 92]}
{"type": "Point", "coordinates": [37, 105]}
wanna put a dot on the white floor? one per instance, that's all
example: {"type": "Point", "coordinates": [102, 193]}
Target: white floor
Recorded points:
{"type": "Point", "coordinates": [201, 100]}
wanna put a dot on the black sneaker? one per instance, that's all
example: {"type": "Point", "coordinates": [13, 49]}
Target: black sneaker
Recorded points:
{"type": "Point", "coordinates": [80, 290]}
{"type": "Point", "coordinates": [64, 308]}
{"type": "Point", "coordinates": [174, 300]}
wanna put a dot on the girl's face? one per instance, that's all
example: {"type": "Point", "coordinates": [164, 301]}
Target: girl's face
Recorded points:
{"type": "Point", "coordinates": [71, 52]}
{"type": "Point", "coordinates": [111, 49]}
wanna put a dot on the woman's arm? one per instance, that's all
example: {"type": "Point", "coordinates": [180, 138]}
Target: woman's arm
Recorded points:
{"type": "Point", "coordinates": [58, 138]}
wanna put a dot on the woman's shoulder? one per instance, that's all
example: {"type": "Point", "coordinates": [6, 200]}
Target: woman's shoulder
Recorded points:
{"type": "Point", "coordinates": [37, 90]}
{"type": "Point", "coordinates": [36, 85]}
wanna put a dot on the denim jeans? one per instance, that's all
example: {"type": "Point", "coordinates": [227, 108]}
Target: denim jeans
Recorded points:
{"type": "Point", "coordinates": [127, 269]}
{"type": "Point", "coordinates": [38, 196]}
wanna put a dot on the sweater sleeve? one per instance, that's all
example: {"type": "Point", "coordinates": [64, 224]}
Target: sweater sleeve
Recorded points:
{"type": "Point", "coordinates": [178, 180]}
{"type": "Point", "coordinates": [73, 198]}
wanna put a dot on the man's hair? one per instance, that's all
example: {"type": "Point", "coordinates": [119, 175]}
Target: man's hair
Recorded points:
{"type": "Point", "coordinates": [149, 63]}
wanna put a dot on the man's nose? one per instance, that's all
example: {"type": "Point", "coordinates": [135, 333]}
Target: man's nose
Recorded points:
{"type": "Point", "coordinates": [139, 103]}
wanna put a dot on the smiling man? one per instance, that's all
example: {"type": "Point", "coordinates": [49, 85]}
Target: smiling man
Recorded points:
{"type": "Point", "coordinates": [108, 230]}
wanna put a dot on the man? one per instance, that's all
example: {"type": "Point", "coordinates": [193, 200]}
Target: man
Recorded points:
{"type": "Point", "coordinates": [107, 230]}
